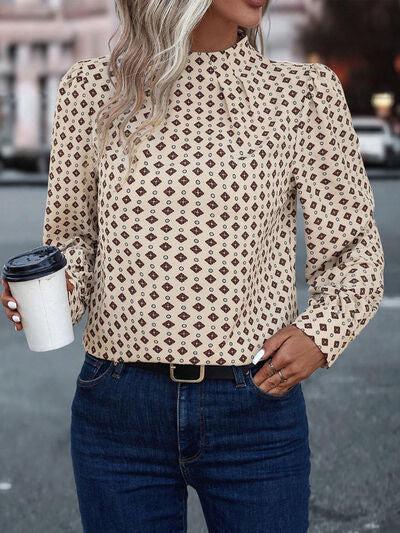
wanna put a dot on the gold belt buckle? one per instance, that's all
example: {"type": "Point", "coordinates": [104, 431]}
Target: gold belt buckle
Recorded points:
{"type": "Point", "coordinates": [200, 378]}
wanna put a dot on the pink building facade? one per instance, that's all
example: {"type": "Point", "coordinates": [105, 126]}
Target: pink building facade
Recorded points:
{"type": "Point", "coordinates": [39, 40]}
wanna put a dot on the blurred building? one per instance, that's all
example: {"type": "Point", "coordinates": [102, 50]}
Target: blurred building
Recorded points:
{"type": "Point", "coordinates": [280, 27]}
{"type": "Point", "coordinates": [39, 40]}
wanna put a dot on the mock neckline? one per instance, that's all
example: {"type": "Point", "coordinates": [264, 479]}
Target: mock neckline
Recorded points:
{"type": "Point", "coordinates": [241, 44]}
{"type": "Point", "coordinates": [239, 60]}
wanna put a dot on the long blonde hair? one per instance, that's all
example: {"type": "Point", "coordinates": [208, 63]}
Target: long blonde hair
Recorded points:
{"type": "Point", "coordinates": [149, 55]}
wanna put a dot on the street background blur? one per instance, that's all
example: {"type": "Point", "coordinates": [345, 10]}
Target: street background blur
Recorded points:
{"type": "Point", "coordinates": [353, 408]}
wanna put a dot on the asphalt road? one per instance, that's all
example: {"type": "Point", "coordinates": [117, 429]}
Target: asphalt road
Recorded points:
{"type": "Point", "coordinates": [353, 408]}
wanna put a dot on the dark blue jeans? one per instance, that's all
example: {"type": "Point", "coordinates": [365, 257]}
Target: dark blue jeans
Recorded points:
{"type": "Point", "coordinates": [138, 439]}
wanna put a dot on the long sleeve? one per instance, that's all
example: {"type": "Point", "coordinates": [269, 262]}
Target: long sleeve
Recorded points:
{"type": "Point", "coordinates": [344, 254]}
{"type": "Point", "coordinates": [70, 220]}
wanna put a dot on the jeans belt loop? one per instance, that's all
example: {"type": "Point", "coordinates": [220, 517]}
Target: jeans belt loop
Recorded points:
{"type": "Point", "coordinates": [239, 374]}
{"type": "Point", "coordinates": [116, 373]}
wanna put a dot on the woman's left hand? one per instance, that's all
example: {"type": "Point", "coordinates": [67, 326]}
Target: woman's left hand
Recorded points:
{"type": "Point", "coordinates": [295, 353]}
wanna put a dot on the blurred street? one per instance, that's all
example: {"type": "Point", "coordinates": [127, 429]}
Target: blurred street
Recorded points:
{"type": "Point", "coordinates": [353, 408]}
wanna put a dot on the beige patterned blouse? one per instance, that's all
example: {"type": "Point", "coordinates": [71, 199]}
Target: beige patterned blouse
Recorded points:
{"type": "Point", "coordinates": [189, 255]}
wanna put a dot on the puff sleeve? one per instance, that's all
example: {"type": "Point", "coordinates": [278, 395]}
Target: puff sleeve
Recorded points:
{"type": "Point", "coordinates": [344, 254]}
{"type": "Point", "coordinates": [70, 219]}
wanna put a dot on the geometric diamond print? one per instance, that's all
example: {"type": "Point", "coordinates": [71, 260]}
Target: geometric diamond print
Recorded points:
{"type": "Point", "coordinates": [188, 255]}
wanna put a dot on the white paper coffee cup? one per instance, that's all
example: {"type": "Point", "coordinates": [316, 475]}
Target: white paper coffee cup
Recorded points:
{"type": "Point", "coordinates": [38, 284]}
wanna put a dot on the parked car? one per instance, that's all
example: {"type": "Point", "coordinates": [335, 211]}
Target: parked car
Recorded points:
{"type": "Point", "coordinates": [378, 142]}
{"type": "Point", "coordinates": [28, 160]}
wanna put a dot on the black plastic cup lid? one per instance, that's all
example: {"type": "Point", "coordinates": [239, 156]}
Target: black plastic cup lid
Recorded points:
{"type": "Point", "coordinates": [35, 263]}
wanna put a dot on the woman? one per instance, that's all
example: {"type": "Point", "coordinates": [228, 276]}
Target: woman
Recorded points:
{"type": "Point", "coordinates": [175, 166]}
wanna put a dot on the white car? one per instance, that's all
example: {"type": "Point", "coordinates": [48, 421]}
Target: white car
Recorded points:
{"type": "Point", "coordinates": [378, 142]}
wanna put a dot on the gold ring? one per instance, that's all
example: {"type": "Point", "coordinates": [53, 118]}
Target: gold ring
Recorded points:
{"type": "Point", "coordinates": [274, 371]}
{"type": "Point", "coordinates": [282, 376]}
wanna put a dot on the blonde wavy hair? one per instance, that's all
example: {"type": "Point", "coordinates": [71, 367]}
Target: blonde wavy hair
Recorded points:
{"type": "Point", "coordinates": [149, 55]}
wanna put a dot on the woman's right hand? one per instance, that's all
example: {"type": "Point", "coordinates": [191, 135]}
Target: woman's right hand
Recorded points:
{"type": "Point", "coordinates": [10, 304]}
{"type": "Point", "coordinates": [70, 285]}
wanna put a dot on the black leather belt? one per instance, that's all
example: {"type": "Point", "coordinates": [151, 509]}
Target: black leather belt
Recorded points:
{"type": "Point", "coordinates": [187, 373]}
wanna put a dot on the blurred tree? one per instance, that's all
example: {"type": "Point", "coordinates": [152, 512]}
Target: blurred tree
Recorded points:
{"type": "Point", "coordinates": [360, 41]}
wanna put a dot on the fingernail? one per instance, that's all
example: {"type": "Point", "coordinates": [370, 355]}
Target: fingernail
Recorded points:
{"type": "Point", "coordinates": [15, 327]}
{"type": "Point", "coordinates": [259, 355]}
{"type": "Point", "coordinates": [12, 305]}
{"type": "Point", "coordinates": [16, 318]}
